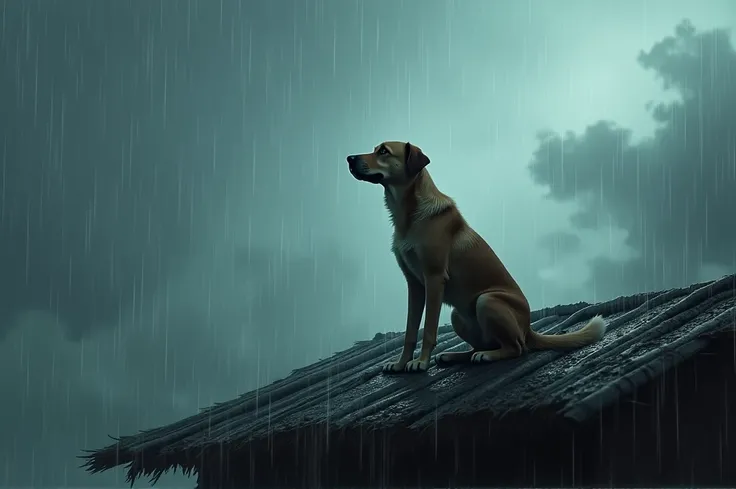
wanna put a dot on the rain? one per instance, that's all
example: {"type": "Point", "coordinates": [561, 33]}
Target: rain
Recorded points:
{"type": "Point", "coordinates": [179, 227]}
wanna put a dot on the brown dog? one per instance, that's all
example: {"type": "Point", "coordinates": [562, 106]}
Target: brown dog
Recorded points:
{"type": "Point", "coordinates": [445, 261]}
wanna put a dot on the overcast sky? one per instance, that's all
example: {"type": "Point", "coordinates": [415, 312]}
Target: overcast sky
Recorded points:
{"type": "Point", "coordinates": [178, 225]}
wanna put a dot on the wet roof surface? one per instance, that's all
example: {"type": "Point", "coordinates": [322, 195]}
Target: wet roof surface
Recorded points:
{"type": "Point", "coordinates": [647, 334]}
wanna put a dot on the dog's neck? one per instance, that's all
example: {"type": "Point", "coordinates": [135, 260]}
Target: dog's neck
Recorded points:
{"type": "Point", "coordinates": [414, 201]}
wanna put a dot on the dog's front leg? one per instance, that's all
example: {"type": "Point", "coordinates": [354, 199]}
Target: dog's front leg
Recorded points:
{"type": "Point", "coordinates": [434, 289]}
{"type": "Point", "coordinates": [414, 310]}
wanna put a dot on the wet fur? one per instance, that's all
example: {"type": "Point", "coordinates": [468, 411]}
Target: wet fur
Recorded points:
{"type": "Point", "coordinates": [445, 261]}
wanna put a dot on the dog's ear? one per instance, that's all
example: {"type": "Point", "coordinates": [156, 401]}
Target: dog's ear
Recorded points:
{"type": "Point", "coordinates": [415, 160]}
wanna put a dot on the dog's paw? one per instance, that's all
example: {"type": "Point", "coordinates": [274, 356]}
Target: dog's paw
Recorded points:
{"type": "Point", "coordinates": [417, 365]}
{"type": "Point", "coordinates": [394, 367]}
{"type": "Point", "coordinates": [481, 357]}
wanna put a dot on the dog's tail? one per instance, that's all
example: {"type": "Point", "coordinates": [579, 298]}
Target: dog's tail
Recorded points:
{"type": "Point", "coordinates": [590, 333]}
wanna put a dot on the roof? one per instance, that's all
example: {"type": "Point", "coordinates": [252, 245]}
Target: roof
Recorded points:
{"type": "Point", "coordinates": [647, 334]}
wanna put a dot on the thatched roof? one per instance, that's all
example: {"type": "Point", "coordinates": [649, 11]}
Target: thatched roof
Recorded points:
{"type": "Point", "coordinates": [347, 395]}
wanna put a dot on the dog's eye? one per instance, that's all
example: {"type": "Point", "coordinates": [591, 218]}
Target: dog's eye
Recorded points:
{"type": "Point", "coordinates": [382, 151]}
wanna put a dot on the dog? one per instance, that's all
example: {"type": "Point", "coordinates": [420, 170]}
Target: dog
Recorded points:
{"type": "Point", "coordinates": [445, 261]}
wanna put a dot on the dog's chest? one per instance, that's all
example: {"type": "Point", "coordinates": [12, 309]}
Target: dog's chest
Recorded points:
{"type": "Point", "coordinates": [409, 258]}
{"type": "Point", "coordinates": [406, 252]}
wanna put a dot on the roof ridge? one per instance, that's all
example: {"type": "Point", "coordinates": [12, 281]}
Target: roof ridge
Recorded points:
{"type": "Point", "coordinates": [647, 365]}
{"type": "Point", "coordinates": [625, 341]}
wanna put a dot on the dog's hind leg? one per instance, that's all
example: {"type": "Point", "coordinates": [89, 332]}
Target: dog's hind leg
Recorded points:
{"type": "Point", "coordinates": [497, 319]}
{"type": "Point", "coordinates": [468, 333]}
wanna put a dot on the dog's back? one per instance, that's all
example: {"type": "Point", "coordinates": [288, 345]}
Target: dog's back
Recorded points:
{"type": "Point", "coordinates": [474, 269]}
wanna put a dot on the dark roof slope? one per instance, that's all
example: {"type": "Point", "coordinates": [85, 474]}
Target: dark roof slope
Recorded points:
{"type": "Point", "coordinates": [647, 334]}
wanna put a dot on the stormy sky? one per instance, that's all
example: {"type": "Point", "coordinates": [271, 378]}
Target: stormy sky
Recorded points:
{"type": "Point", "coordinates": [178, 226]}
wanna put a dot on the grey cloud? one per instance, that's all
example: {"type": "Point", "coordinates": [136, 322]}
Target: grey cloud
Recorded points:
{"type": "Point", "coordinates": [560, 243]}
{"type": "Point", "coordinates": [672, 192]}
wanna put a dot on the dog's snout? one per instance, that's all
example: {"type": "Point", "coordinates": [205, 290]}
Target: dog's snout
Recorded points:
{"type": "Point", "coordinates": [360, 168]}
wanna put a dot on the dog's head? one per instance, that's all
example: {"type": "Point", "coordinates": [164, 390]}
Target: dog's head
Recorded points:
{"type": "Point", "coordinates": [390, 163]}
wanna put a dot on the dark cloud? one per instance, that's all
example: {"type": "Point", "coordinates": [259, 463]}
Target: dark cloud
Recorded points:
{"type": "Point", "coordinates": [101, 186]}
{"type": "Point", "coordinates": [122, 125]}
{"type": "Point", "coordinates": [673, 192]}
